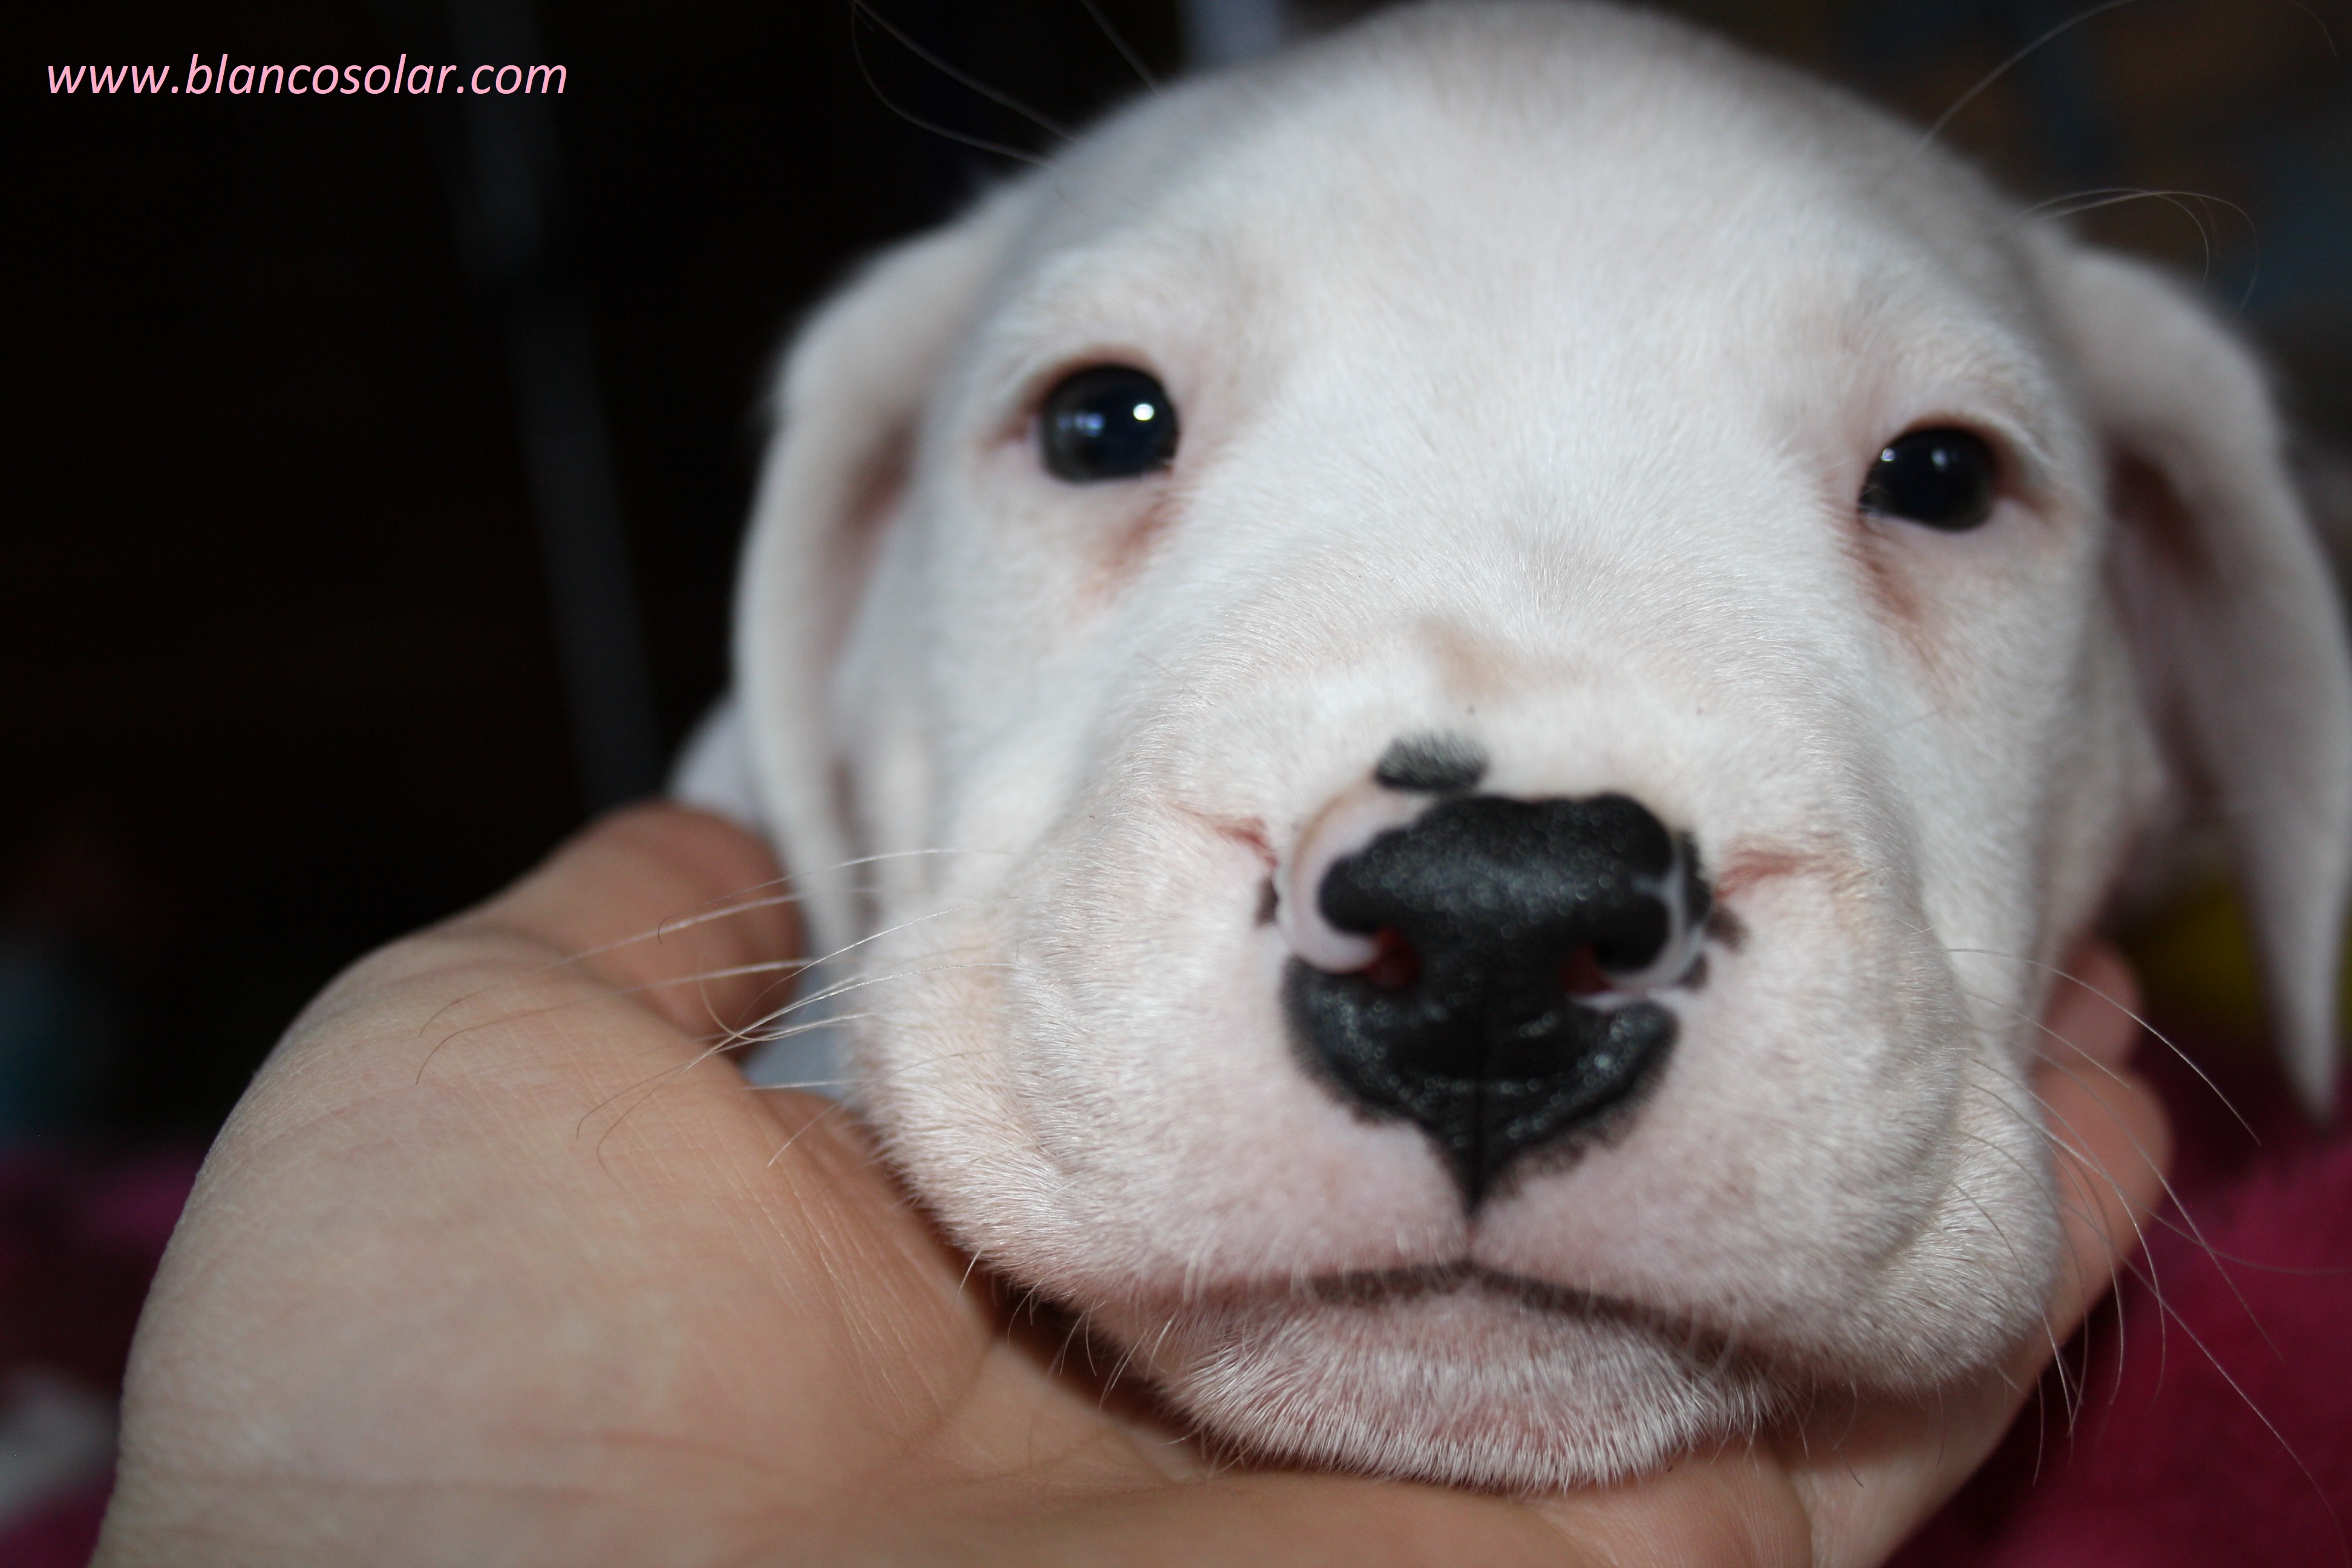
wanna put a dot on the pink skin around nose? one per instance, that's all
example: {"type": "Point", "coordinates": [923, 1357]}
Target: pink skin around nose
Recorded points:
{"type": "Point", "coordinates": [1354, 818]}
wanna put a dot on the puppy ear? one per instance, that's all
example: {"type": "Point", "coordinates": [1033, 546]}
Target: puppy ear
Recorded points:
{"type": "Point", "coordinates": [2237, 630]}
{"type": "Point", "coordinates": [849, 401]}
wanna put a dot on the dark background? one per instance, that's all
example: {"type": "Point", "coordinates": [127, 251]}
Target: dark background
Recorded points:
{"type": "Point", "coordinates": [280, 668]}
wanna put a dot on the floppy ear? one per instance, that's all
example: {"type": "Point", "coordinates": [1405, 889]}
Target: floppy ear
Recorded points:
{"type": "Point", "coordinates": [2237, 629]}
{"type": "Point", "coordinates": [852, 395]}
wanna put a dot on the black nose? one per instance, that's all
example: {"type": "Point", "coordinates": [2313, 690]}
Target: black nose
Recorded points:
{"type": "Point", "coordinates": [1493, 1014]}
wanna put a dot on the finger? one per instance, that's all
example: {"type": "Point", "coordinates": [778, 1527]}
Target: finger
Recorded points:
{"type": "Point", "coordinates": [532, 1258]}
{"type": "Point", "coordinates": [1274, 1521]}
{"type": "Point", "coordinates": [2110, 1140]}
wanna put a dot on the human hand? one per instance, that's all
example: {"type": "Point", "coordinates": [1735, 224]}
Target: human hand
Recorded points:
{"type": "Point", "coordinates": [559, 1287]}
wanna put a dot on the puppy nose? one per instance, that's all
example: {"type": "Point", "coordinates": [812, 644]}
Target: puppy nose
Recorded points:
{"type": "Point", "coordinates": [1513, 947]}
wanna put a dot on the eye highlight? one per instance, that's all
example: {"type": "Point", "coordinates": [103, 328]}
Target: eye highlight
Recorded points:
{"type": "Point", "coordinates": [1111, 422]}
{"type": "Point", "coordinates": [1940, 478]}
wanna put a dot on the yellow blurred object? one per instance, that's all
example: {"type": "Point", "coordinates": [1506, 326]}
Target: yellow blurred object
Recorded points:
{"type": "Point", "coordinates": [2196, 960]}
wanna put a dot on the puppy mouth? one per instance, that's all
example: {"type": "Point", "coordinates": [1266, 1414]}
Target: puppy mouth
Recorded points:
{"type": "Point", "coordinates": [1475, 1299]}
{"type": "Point", "coordinates": [1398, 1286]}
{"type": "Point", "coordinates": [1474, 1286]}
{"type": "Point", "coordinates": [1454, 1372]}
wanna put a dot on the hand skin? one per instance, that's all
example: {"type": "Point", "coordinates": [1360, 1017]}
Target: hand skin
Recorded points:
{"type": "Point", "coordinates": [543, 1289]}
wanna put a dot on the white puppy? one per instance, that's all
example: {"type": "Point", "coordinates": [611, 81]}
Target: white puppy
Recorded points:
{"type": "Point", "coordinates": [1474, 676]}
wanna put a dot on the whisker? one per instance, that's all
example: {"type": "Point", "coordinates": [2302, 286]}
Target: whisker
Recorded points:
{"type": "Point", "coordinates": [698, 915]}
{"type": "Point", "coordinates": [860, 11]}
{"type": "Point", "coordinates": [803, 1131]}
{"type": "Point", "coordinates": [2049, 1329]}
{"type": "Point", "coordinates": [2041, 1430]}
{"type": "Point", "coordinates": [2094, 201]}
{"type": "Point", "coordinates": [724, 907]}
{"type": "Point", "coordinates": [1118, 41]}
{"type": "Point", "coordinates": [2164, 1182]}
{"type": "Point", "coordinates": [2196, 1234]}
{"type": "Point", "coordinates": [569, 961]}
{"type": "Point", "coordinates": [727, 1040]}
{"type": "Point", "coordinates": [2011, 63]}
{"type": "Point", "coordinates": [2082, 1206]}
{"type": "Point", "coordinates": [2080, 202]}
{"type": "Point", "coordinates": [2169, 1316]}
{"type": "Point", "coordinates": [2081, 1155]}
{"type": "Point", "coordinates": [865, 8]}
{"type": "Point", "coordinates": [857, 1080]}
{"type": "Point", "coordinates": [843, 951]}
{"type": "Point", "coordinates": [760, 1029]}
{"type": "Point", "coordinates": [1160, 1340]}
{"type": "Point", "coordinates": [2076, 203]}
{"type": "Point", "coordinates": [862, 982]}
{"type": "Point", "coordinates": [2073, 1394]}
{"type": "Point", "coordinates": [2333, 1272]}
{"type": "Point", "coordinates": [2161, 1037]}
{"type": "Point", "coordinates": [613, 994]}
{"type": "Point", "coordinates": [2321, 23]}
{"type": "Point", "coordinates": [2074, 1383]}
{"type": "Point", "coordinates": [791, 1030]}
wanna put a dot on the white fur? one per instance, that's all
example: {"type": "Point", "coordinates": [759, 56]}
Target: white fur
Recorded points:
{"type": "Point", "coordinates": [1528, 360]}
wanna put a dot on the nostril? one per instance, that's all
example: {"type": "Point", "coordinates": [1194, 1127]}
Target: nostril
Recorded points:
{"type": "Point", "coordinates": [1581, 974]}
{"type": "Point", "coordinates": [1396, 963]}
{"type": "Point", "coordinates": [1636, 940]}
{"type": "Point", "coordinates": [1352, 820]}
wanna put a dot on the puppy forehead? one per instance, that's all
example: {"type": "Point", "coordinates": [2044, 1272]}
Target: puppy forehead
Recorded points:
{"type": "Point", "coordinates": [1631, 311]}
{"type": "Point", "coordinates": [1669, 215]}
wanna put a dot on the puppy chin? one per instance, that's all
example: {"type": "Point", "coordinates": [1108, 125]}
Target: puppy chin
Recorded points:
{"type": "Point", "coordinates": [1465, 1381]}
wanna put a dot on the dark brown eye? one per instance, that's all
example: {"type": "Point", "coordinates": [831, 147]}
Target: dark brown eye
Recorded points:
{"type": "Point", "coordinates": [1112, 422]}
{"type": "Point", "coordinates": [1939, 479]}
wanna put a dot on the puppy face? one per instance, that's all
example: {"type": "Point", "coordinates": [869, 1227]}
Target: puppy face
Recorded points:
{"type": "Point", "coordinates": [1513, 637]}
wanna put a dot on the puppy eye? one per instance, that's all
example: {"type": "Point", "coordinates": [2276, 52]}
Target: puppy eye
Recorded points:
{"type": "Point", "coordinates": [1943, 478]}
{"type": "Point", "coordinates": [1112, 422]}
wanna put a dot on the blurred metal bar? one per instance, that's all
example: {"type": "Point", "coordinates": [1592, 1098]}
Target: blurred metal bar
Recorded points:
{"type": "Point", "coordinates": [505, 179]}
{"type": "Point", "coordinates": [583, 551]}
